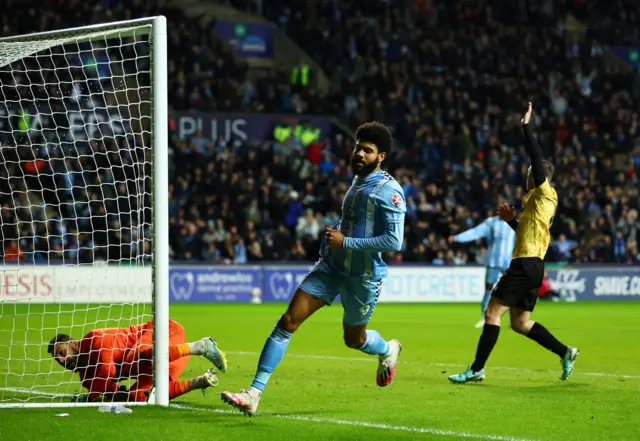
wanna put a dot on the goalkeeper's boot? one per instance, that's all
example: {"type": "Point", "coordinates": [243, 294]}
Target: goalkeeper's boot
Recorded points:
{"type": "Point", "coordinates": [210, 379]}
{"type": "Point", "coordinates": [387, 365]}
{"type": "Point", "coordinates": [215, 355]}
{"type": "Point", "coordinates": [246, 401]}
{"type": "Point", "coordinates": [568, 361]}
{"type": "Point", "coordinates": [467, 375]}
{"type": "Point", "coordinates": [205, 381]}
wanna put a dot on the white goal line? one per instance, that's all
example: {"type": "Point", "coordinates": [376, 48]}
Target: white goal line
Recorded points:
{"type": "Point", "coordinates": [333, 421]}
{"type": "Point", "coordinates": [41, 393]}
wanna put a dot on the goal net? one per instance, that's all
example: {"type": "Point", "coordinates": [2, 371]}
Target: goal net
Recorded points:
{"type": "Point", "coordinates": [83, 233]}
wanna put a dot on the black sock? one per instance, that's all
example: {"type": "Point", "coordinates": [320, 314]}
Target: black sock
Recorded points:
{"type": "Point", "coordinates": [543, 337]}
{"type": "Point", "coordinates": [486, 343]}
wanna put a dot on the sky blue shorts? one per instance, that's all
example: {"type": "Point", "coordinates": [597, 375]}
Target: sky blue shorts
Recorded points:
{"type": "Point", "coordinates": [358, 296]}
{"type": "Point", "coordinates": [493, 275]}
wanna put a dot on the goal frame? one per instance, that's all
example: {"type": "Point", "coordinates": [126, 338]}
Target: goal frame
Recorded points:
{"type": "Point", "coordinates": [160, 188]}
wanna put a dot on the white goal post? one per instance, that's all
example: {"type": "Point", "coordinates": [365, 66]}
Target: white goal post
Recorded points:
{"type": "Point", "coordinates": [84, 218]}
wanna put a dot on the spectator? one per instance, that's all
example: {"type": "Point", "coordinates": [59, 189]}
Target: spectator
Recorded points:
{"type": "Point", "coordinates": [563, 247]}
{"type": "Point", "coordinates": [308, 225]}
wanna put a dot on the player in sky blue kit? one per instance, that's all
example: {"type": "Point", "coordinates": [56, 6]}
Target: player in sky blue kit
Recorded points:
{"type": "Point", "coordinates": [500, 239]}
{"type": "Point", "coordinates": [350, 264]}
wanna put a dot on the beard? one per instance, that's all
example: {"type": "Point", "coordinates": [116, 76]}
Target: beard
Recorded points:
{"type": "Point", "coordinates": [362, 168]}
{"type": "Point", "coordinates": [70, 364]}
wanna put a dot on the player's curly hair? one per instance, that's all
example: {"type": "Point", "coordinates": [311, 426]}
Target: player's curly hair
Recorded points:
{"type": "Point", "coordinates": [60, 338]}
{"type": "Point", "coordinates": [375, 133]}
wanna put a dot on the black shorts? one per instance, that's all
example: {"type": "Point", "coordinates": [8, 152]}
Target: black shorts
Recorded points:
{"type": "Point", "coordinates": [519, 285]}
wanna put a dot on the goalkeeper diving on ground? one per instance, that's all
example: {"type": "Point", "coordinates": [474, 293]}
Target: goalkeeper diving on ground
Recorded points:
{"type": "Point", "coordinates": [104, 357]}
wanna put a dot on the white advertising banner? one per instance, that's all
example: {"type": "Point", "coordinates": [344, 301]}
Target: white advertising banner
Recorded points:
{"type": "Point", "coordinates": [433, 284]}
{"type": "Point", "coordinates": [75, 284]}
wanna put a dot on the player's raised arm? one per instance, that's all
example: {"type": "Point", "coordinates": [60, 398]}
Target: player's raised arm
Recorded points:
{"type": "Point", "coordinates": [478, 232]}
{"type": "Point", "coordinates": [538, 171]}
{"type": "Point", "coordinates": [390, 200]}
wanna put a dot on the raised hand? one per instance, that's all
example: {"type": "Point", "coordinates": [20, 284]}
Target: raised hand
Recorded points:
{"type": "Point", "coordinates": [506, 212]}
{"type": "Point", "coordinates": [527, 116]}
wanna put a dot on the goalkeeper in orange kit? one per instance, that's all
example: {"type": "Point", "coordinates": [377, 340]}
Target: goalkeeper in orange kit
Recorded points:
{"type": "Point", "coordinates": [104, 357]}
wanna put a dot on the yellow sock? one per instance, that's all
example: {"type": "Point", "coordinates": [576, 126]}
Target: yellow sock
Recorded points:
{"type": "Point", "coordinates": [179, 351]}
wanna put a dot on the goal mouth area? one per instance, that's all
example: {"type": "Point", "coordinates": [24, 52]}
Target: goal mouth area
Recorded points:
{"type": "Point", "coordinates": [84, 207]}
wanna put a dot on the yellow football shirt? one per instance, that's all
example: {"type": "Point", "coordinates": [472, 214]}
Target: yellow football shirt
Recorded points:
{"type": "Point", "coordinates": [532, 235]}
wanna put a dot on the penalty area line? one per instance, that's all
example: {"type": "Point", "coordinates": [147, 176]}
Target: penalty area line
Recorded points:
{"type": "Point", "coordinates": [365, 424]}
{"type": "Point", "coordinates": [417, 363]}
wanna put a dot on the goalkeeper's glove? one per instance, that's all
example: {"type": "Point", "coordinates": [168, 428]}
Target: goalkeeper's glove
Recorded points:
{"type": "Point", "coordinates": [84, 398]}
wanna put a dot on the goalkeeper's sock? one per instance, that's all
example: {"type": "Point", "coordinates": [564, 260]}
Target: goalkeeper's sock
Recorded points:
{"type": "Point", "coordinates": [485, 301]}
{"type": "Point", "coordinates": [179, 351]}
{"type": "Point", "coordinates": [375, 344]}
{"type": "Point", "coordinates": [197, 347]}
{"type": "Point", "coordinates": [271, 355]}
{"type": "Point", "coordinates": [182, 350]}
{"type": "Point", "coordinates": [177, 388]}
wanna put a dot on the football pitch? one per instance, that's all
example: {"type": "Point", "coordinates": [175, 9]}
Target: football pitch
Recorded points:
{"type": "Point", "coordinates": [325, 391]}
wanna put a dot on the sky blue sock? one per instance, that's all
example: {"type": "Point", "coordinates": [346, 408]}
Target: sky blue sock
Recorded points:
{"type": "Point", "coordinates": [271, 355]}
{"type": "Point", "coordinates": [375, 344]}
{"type": "Point", "coordinates": [485, 300]}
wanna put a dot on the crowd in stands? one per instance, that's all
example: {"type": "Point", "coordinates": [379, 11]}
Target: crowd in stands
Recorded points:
{"type": "Point", "coordinates": [450, 79]}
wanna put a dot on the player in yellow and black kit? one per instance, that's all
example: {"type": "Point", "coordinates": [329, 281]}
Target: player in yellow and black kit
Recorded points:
{"type": "Point", "coordinates": [517, 290]}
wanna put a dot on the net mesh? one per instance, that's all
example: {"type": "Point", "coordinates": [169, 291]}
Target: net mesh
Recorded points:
{"type": "Point", "coordinates": [75, 206]}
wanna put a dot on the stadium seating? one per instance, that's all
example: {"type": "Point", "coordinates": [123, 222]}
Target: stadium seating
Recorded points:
{"type": "Point", "coordinates": [453, 98]}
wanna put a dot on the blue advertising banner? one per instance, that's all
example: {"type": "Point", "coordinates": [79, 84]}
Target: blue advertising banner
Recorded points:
{"type": "Point", "coordinates": [599, 283]}
{"type": "Point", "coordinates": [405, 284]}
{"type": "Point", "coordinates": [214, 284]}
{"type": "Point", "coordinates": [241, 126]}
{"type": "Point", "coordinates": [249, 39]}
{"type": "Point", "coordinates": [628, 54]}
{"type": "Point", "coordinates": [281, 282]}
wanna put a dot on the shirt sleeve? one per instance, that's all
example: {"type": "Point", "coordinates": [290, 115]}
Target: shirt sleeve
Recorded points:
{"type": "Point", "coordinates": [478, 232]}
{"type": "Point", "coordinates": [98, 376]}
{"type": "Point", "coordinates": [545, 189]}
{"type": "Point", "coordinates": [390, 200]}
{"type": "Point", "coordinates": [535, 154]}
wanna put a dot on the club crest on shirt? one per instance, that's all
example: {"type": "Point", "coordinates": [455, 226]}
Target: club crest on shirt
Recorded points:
{"type": "Point", "coordinates": [396, 200]}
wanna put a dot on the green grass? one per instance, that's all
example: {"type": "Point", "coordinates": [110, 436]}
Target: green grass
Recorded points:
{"type": "Point", "coordinates": [322, 388]}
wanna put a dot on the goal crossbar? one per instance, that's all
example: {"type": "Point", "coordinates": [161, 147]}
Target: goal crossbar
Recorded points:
{"type": "Point", "coordinates": [101, 28]}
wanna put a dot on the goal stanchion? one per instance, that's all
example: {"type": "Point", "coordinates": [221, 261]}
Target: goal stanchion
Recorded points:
{"type": "Point", "coordinates": [83, 210]}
